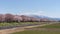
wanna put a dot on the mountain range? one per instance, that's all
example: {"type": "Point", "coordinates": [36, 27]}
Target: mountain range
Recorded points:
{"type": "Point", "coordinates": [41, 16]}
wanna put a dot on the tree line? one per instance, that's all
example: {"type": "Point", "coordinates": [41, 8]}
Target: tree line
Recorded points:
{"type": "Point", "coordinates": [21, 18]}
{"type": "Point", "coordinates": [16, 18]}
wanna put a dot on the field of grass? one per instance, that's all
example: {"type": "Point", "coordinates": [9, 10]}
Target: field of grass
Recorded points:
{"type": "Point", "coordinates": [57, 25]}
{"type": "Point", "coordinates": [48, 29]}
{"type": "Point", "coordinates": [9, 24]}
{"type": "Point", "coordinates": [21, 23]}
{"type": "Point", "coordinates": [37, 32]}
{"type": "Point", "coordinates": [17, 24]}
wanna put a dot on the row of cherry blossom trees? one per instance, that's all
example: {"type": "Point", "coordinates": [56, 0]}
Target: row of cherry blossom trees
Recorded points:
{"type": "Point", "coordinates": [16, 18]}
{"type": "Point", "coordinates": [21, 18]}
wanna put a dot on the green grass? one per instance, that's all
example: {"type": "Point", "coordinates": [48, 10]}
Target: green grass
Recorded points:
{"type": "Point", "coordinates": [51, 26]}
{"type": "Point", "coordinates": [37, 32]}
{"type": "Point", "coordinates": [9, 24]}
{"type": "Point", "coordinates": [21, 23]}
{"type": "Point", "coordinates": [17, 24]}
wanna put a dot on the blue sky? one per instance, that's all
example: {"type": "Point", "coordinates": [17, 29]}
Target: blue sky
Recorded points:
{"type": "Point", "coordinates": [49, 8]}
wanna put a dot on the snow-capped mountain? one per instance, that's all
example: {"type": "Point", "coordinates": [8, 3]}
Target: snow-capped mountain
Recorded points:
{"type": "Point", "coordinates": [41, 16]}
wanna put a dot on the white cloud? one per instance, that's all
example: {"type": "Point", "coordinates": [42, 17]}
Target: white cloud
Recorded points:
{"type": "Point", "coordinates": [31, 13]}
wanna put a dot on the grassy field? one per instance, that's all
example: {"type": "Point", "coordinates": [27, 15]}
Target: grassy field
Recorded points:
{"type": "Point", "coordinates": [48, 29]}
{"type": "Point", "coordinates": [57, 25]}
{"type": "Point", "coordinates": [9, 24]}
{"type": "Point", "coordinates": [15, 23]}
{"type": "Point", "coordinates": [37, 32]}
{"type": "Point", "coordinates": [21, 23]}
